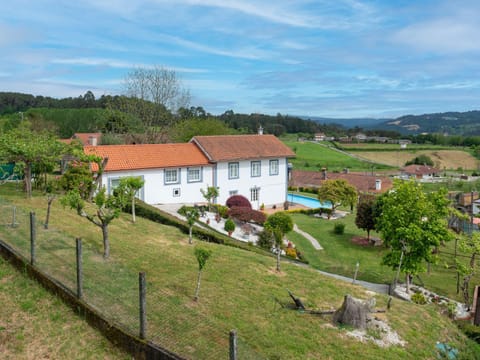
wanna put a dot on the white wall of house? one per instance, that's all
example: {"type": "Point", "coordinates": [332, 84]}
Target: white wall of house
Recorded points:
{"type": "Point", "coordinates": [271, 184]}
{"type": "Point", "coordinates": [166, 186]}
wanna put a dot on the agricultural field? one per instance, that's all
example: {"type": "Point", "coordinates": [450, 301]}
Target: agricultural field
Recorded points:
{"type": "Point", "coordinates": [442, 159]}
{"type": "Point", "coordinates": [240, 290]}
{"type": "Point", "coordinates": [361, 157]}
{"type": "Point", "coordinates": [314, 156]}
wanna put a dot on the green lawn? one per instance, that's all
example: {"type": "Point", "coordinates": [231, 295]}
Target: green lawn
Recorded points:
{"type": "Point", "coordinates": [34, 324]}
{"type": "Point", "coordinates": [238, 291]}
{"type": "Point", "coordinates": [314, 156]}
{"type": "Point", "coordinates": [340, 256]}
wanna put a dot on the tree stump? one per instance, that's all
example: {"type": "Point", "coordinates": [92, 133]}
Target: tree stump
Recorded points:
{"type": "Point", "coordinates": [354, 312]}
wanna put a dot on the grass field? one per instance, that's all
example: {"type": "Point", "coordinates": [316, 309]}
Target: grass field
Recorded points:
{"type": "Point", "coordinates": [340, 256]}
{"type": "Point", "coordinates": [36, 325]}
{"type": "Point", "coordinates": [314, 156]}
{"type": "Point", "coordinates": [238, 292]}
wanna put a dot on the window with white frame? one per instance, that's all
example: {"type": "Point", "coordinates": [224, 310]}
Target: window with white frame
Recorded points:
{"type": "Point", "coordinates": [255, 169]}
{"type": "Point", "coordinates": [113, 184]}
{"type": "Point", "coordinates": [194, 174]}
{"type": "Point", "coordinates": [233, 170]}
{"type": "Point", "coordinates": [172, 176]}
{"type": "Point", "coordinates": [254, 193]}
{"type": "Point", "coordinates": [273, 167]}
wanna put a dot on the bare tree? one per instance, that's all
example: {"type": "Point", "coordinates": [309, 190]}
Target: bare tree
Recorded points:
{"type": "Point", "coordinates": [158, 85]}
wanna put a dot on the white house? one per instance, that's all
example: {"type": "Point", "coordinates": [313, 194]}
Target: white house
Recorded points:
{"type": "Point", "coordinates": [254, 166]}
{"type": "Point", "coordinates": [173, 173]}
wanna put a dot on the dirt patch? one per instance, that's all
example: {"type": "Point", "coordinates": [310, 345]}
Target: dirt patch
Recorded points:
{"type": "Point", "coordinates": [448, 159]}
{"type": "Point", "coordinates": [361, 241]}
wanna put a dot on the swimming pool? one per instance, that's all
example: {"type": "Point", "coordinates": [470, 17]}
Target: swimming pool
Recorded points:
{"type": "Point", "coordinates": [308, 201]}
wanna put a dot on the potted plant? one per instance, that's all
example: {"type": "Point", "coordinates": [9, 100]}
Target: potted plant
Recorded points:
{"type": "Point", "coordinates": [229, 226]}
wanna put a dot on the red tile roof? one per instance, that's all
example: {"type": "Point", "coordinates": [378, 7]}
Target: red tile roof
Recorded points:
{"type": "Point", "coordinates": [242, 147]}
{"type": "Point", "coordinates": [147, 156]}
{"type": "Point", "coordinates": [362, 181]}
{"type": "Point", "coordinates": [85, 138]}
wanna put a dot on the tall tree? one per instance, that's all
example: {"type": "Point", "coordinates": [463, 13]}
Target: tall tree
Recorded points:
{"type": "Point", "coordinates": [21, 145]}
{"type": "Point", "coordinates": [159, 92]}
{"type": "Point", "coordinates": [365, 218]}
{"type": "Point", "coordinates": [202, 256]}
{"type": "Point", "coordinates": [338, 192]}
{"type": "Point", "coordinates": [105, 209]}
{"type": "Point", "coordinates": [412, 224]}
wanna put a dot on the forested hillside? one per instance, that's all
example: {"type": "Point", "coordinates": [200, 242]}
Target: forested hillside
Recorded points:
{"type": "Point", "coordinates": [452, 123]}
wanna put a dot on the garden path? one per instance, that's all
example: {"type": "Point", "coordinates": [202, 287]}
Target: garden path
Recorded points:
{"type": "Point", "coordinates": [309, 237]}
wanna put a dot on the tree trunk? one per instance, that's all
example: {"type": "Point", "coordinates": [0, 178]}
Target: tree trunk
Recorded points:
{"type": "Point", "coordinates": [190, 234]}
{"type": "Point", "coordinates": [368, 236]}
{"type": "Point", "coordinates": [278, 258]}
{"type": "Point", "coordinates": [197, 290]}
{"type": "Point", "coordinates": [353, 312]}
{"type": "Point", "coordinates": [49, 206]}
{"type": "Point", "coordinates": [133, 209]}
{"type": "Point", "coordinates": [106, 242]}
{"type": "Point", "coordinates": [407, 282]}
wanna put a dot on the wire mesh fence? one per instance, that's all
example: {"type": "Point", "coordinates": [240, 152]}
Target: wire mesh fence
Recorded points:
{"type": "Point", "coordinates": [174, 321]}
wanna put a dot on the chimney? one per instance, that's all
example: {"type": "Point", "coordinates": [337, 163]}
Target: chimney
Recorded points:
{"type": "Point", "coordinates": [378, 184]}
{"type": "Point", "coordinates": [324, 173]}
{"type": "Point", "coordinates": [260, 130]}
{"type": "Point", "coordinates": [92, 140]}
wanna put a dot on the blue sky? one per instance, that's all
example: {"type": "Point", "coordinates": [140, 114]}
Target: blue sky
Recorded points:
{"type": "Point", "coordinates": [336, 58]}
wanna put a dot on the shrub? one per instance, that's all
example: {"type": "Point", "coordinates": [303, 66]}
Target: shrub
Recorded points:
{"type": "Point", "coordinates": [229, 226]}
{"type": "Point", "coordinates": [472, 331]}
{"type": "Point", "coordinates": [339, 228]}
{"type": "Point", "coordinates": [265, 240]}
{"type": "Point", "coordinates": [238, 201]}
{"type": "Point", "coordinates": [246, 214]}
{"type": "Point", "coordinates": [419, 298]}
{"type": "Point", "coordinates": [291, 252]}
{"type": "Point", "coordinates": [221, 210]}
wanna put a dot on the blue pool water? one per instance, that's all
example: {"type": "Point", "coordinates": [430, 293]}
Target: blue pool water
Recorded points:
{"type": "Point", "coordinates": [308, 201]}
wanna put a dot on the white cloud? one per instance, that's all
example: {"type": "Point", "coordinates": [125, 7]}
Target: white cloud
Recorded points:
{"type": "Point", "coordinates": [446, 35]}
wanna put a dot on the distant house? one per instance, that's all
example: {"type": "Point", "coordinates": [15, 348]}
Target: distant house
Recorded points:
{"type": "Point", "coordinates": [254, 166]}
{"type": "Point", "coordinates": [93, 139]}
{"type": "Point", "coordinates": [360, 137]}
{"type": "Point", "coordinates": [423, 172]}
{"type": "Point", "coordinates": [320, 136]}
{"type": "Point", "coordinates": [363, 182]}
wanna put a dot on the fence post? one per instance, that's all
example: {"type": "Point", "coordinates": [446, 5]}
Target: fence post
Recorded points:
{"type": "Point", "coordinates": [143, 304]}
{"type": "Point", "coordinates": [14, 217]}
{"type": "Point", "coordinates": [32, 237]}
{"type": "Point", "coordinates": [79, 268]}
{"type": "Point", "coordinates": [233, 345]}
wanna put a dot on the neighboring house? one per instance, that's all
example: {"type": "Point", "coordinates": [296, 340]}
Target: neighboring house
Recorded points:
{"type": "Point", "coordinates": [173, 173]}
{"type": "Point", "coordinates": [254, 166]}
{"type": "Point", "coordinates": [85, 138]}
{"type": "Point", "coordinates": [363, 182]}
{"type": "Point", "coordinates": [422, 172]}
{"type": "Point", "coordinates": [319, 136]}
